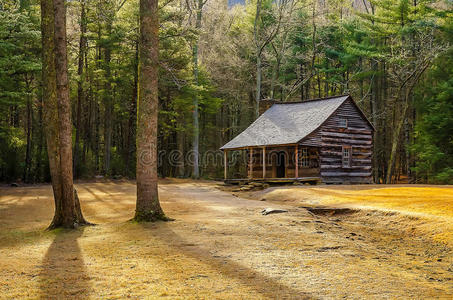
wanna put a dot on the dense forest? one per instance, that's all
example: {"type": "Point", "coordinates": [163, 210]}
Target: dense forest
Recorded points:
{"type": "Point", "coordinates": [217, 60]}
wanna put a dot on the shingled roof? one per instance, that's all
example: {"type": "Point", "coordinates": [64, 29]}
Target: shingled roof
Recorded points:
{"type": "Point", "coordinates": [286, 123]}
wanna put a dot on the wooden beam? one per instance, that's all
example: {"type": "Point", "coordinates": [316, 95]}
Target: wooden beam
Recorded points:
{"type": "Point", "coordinates": [251, 163]}
{"type": "Point", "coordinates": [225, 162]}
{"type": "Point", "coordinates": [264, 162]}
{"type": "Point", "coordinates": [296, 152]}
{"type": "Point", "coordinates": [268, 146]}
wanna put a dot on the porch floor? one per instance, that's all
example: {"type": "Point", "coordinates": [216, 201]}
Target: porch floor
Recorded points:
{"type": "Point", "coordinates": [273, 180]}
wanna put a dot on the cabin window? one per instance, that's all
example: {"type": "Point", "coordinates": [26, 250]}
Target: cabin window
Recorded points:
{"type": "Point", "coordinates": [343, 123]}
{"type": "Point", "coordinates": [305, 158]}
{"type": "Point", "coordinates": [347, 156]}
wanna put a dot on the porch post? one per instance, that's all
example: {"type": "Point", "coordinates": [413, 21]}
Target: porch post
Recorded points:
{"type": "Point", "coordinates": [250, 164]}
{"type": "Point", "coordinates": [225, 162]}
{"type": "Point", "coordinates": [264, 162]}
{"type": "Point", "coordinates": [296, 152]}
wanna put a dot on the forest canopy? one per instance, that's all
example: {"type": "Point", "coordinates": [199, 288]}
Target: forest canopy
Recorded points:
{"type": "Point", "coordinates": [217, 59]}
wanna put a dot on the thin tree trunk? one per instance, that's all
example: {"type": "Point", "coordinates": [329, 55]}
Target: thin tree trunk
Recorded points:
{"type": "Point", "coordinates": [108, 106]}
{"type": "Point", "coordinates": [38, 167]}
{"type": "Point", "coordinates": [27, 168]}
{"type": "Point", "coordinates": [148, 207]}
{"type": "Point", "coordinates": [80, 93]}
{"type": "Point", "coordinates": [258, 59]}
{"type": "Point", "coordinates": [130, 145]}
{"type": "Point", "coordinates": [196, 125]}
{"type": "Point", "coordinates": [258, 85]}
{"type": "Point", "coordinates": [180, 142]}
{"type": "Point", "coordinates": [373, 112]}
{"type": "Point", "coordinates": [97, 110]}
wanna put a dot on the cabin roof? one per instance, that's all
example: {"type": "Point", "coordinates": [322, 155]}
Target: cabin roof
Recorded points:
{"type": "Point", "coordinates": [287, 123]}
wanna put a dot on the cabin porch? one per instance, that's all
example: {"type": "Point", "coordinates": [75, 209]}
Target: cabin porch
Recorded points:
{"type": "Point", "coordinates": [277, 164]}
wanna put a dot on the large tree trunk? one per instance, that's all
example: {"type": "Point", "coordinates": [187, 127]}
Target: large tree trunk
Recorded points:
{"type": "Point", "coordinates": [148, 206]}
{"type": "Point", "coordinates": [50, 109]}
{"type": "Point", "coordinates": [57, 112]}
{"type": "Point", "coordinates": [64, 116]}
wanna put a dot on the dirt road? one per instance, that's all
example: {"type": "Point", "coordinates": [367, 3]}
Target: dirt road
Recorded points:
{"type": "Point", "coordinates": [219, 246]}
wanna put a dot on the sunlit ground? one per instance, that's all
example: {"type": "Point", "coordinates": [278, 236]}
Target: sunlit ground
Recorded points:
{"type": "Point", "coordinates": [430, 202]}
{"type": "Point", "coordinates": [221, 247]}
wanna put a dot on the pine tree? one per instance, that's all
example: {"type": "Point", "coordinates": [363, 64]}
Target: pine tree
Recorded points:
{"type": "Point", "coordinates": [148, 207]}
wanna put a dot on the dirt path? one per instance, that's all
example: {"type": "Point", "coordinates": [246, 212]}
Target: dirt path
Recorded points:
{"type": "Point", "coordinates": [220, 246]}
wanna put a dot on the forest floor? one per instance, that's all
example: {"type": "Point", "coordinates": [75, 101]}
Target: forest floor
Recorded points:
{"type": "Point", "coordinates": [334, 242]}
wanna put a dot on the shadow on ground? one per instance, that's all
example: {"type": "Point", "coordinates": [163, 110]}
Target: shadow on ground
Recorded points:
{"type": "Point", "coordinates": [260, 283]}
{"type": "Point", "coordinates": [63, 274]}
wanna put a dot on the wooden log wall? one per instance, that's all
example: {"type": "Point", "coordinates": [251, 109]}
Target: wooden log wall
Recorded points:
{"type": "Point", "coordinates": [358, 134]}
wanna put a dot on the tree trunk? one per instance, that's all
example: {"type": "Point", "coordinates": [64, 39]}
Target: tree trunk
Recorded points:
{"type": "Point", "coordinates": [64, 115]}
{"type": "Point", "coordinates": [38, 167]}
{"type": "Point", "coordinates": [196, 125]}
{"type": "Point", "coordinates": [80, 93]}
{"type": "Point", "coordinates": [373, 112]}
{"type": "Point", "coordinates": [27, 168]}
{"type": "Point", "coordinates": [148, 207]}
{"type": "Point", "coordinates": [130, 145]}
{"type": "Point", "coordinates": [180, 142]}
{"type": "Point", "coordinates": [108, 106]}
{"type": "Point", "coordinates": [258, 86]}
{"type": "Point", "coordinates": [57, 114]}
{"type": "Point", "coordinates": [50, 109]}
{"type": "Point", "coordinates": [395, 141]}
{"type": "Point", "coordinates": [258, 59]}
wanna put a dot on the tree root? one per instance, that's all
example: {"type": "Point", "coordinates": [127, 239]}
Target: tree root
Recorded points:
{"type": "Point", "coordinates": [151, 216]}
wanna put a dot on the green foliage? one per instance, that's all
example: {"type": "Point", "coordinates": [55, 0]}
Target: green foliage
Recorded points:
{"type": "Point", "coordinates": [309, 49]}
{"type": "Point", "coordinates": [12, 148]}
{"type": "Point", "coordinates": [20, 67]}
{"type": "Point", "coordinates": [433, 145]}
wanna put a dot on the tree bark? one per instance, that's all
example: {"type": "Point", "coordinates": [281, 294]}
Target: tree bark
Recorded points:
{"type": "Point", "coordinates": [196, 126]}
{"type": "Point", "coordinates": [80, 92]}
{"type": "Point", "coordinates": [57, 112]}
{"type": "Point", "coordinates": [258, 60]}
{"type": "Point", "coordinates": [50, 109]}
{"type": "Point", "coordinates": [108, 104]}
{"type": "Point", "coordinates": [130, 145]}
{"type": "Point", "coordinates": [28, 162]}
{"type": "Point", "coordinates": [38, 166]}
{"type": "Point", "coordinates": [258, 85]}
{"type": "Point", "coordinates": [64, 115]}
{"type": "Point", "coordinates": [180, 133]}
{"type": "Point", "coordinates": [395, 143]}
{"type": "Point", "coordinates": [148, 207]}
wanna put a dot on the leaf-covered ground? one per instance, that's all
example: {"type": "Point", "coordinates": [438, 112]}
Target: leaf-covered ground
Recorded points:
{"type": "Point", "coordinates": [220, 246]}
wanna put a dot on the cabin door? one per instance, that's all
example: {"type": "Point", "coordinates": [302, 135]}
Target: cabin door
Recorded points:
{"type": "Point", "coordinates": [281, 165]}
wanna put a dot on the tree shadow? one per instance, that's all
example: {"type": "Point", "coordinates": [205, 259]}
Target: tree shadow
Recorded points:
{"type": "Point", "coordinates": [260, 283]}
{"type": "Point", "coordinates": [63, 273]}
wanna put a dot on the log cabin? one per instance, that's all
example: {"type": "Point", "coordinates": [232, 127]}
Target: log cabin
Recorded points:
{"type": "Point", "coordinates": [327, 140]}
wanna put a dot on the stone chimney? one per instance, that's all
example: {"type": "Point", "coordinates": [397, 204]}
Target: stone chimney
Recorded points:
{"type": "Point", "coordinates": [265, 104]}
